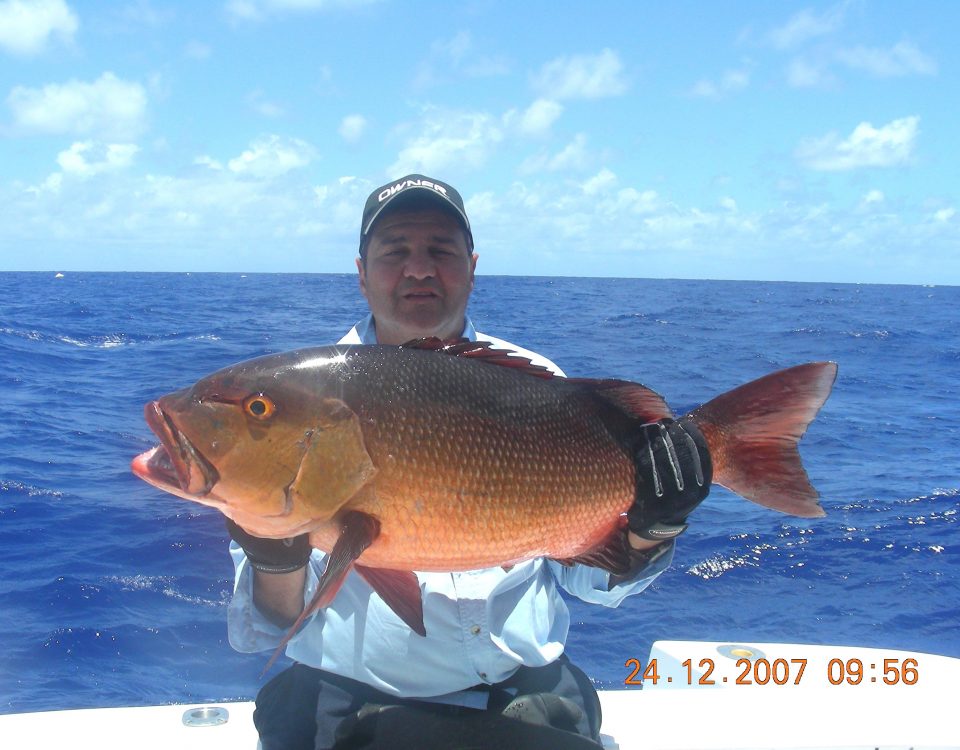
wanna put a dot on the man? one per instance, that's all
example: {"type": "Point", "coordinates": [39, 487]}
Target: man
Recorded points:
{"type": "Point", "coordinates": [494, 637]}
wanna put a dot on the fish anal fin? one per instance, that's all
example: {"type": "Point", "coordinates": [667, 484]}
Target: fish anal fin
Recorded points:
{"type": "Point", "coordinates": [483, 351]}
{"type": "Point", "coordinates": [753, 432]}
{"type": "Point", "coordinates": [400, 590]}
{"type": "Point", "coordinates": [357, 532]}
{"type": "Point", "coordinates": [612, 554]}
{"type": "Point", "coordinates": [633, 399]}
{"type": "Point", "coordinates": [335, 464]}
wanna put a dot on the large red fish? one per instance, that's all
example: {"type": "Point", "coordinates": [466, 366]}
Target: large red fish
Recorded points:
{"type": "Point", "coordinates": [438, 457]}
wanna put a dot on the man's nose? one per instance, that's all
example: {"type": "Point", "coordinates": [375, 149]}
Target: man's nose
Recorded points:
{"type": "Point", "coordinates": [420, 266]}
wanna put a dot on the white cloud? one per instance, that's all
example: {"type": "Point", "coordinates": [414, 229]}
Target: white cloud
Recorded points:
{"type": "Point", "coordinates": [244, 10]}
{"type": "Point", "coordinates": [26, 27]}
{"type": "Point", "coordinates": [486, 66]}
{"type": "Point", "coordinates": [902, 59]}
{"type": "Point", "coordinates": [143, 12]}
{"type": "Point", "coordinates": [807, 25]}
{"type": "Point", "coordinates": [539, 117]}
{"type": "Point", "coordinates": [866, 146]}
{"type": "Point", "coordinates": [945, 214]}
{"type": "Point", "coordinates": [572, 157]}
{"type": "Point", "coordinates": [257, 10]}
{"type": "Point", "coordinates": [730, 81]}
{"type": "Point", "coordinates": [272, 156]}
{"type": "Point", "coordinates": [207, 161]}
{"type": "Point", "coordinates": [728, 203]}
{"type": "Point", "coordinates": [626, 203]}
{"type": "Point", "coordinates": [352, 128]}
{"type": "Point", "coordinates": [872, 197]}
{"type": "Point", "coordinates": [446, 139]}
{"type": "Point", "coordinates": [456, 49]}
{"type": "Point", "coordinates": [108, 108]}
{"type": "Point", "coordinates": [601, 182]}
{"type": "Point", "coordinates": [457, 55]}
{"type": "Point", "coordinates": [195, 50]}
{"type": "Point", "coordinates": [87, 158]}
{"type": "Point", "coordinates": [257, 101]}
{"type": "Point", "coordinates": [804, 74]}
{"type": "Point", "coordinates": [582, 77]}
{"type": "Point", "coordinates": [482, 206]}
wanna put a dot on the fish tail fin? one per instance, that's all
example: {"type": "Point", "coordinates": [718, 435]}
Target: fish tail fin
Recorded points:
{"type": "Point", "coordinates": [753, 432]}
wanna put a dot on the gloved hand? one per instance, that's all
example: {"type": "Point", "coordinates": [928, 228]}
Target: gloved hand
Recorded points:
{"type": "Point", "coordinates": [272, 555]}
{"type": "Point", "coordinates": [674, 472]}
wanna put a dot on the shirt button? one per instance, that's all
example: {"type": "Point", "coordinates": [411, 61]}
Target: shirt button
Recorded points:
{"type": "Point", "coordinates": [483, 675]}
{"type": "Point", "coordinates": [475, 630]}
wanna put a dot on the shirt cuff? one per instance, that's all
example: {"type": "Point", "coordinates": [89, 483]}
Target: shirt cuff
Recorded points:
{"type": "Point", "coordinates": [248, 630]}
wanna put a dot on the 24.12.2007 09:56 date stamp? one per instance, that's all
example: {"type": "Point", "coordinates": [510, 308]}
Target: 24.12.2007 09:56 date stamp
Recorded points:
{"type": "Point", "coordinates": [778, 672]}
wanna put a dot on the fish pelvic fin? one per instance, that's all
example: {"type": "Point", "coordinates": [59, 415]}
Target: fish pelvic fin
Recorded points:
{"type": "Point", "coordinates": [357, 532]}
{"type": "Point", "coordinates": [400, 590]}
{"type": "Point", "coordinates": [753, 433]}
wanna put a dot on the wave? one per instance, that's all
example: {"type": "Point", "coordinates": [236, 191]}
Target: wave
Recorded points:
{"type": "Point", "coordinates": [29, 489]}
{"type": "Point", "coordinates": [100, 341]}
{"type": "Point", "coordinates": [164, 585]}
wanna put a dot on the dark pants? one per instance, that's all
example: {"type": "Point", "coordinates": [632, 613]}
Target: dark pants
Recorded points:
{"type": "Point", "coordinates": [302, 709]}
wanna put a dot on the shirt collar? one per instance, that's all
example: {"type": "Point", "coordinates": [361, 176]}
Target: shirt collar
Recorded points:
{"type": "Point", "coordinates": [367, 330]}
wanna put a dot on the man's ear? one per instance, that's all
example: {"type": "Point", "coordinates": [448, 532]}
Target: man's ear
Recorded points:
{"type": "Point", "coordinates": [362, 276]}
{"type": "Point", "coordinates": [473, 267]}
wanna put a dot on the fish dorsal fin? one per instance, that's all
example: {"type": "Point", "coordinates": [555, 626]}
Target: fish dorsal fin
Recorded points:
{"type": "Point", "coordinates": [483, 351]}
{"type": "Point", "coordinates": [631, 398]}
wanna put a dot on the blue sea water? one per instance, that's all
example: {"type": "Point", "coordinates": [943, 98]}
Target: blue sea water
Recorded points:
{"type": "Point", "coordinates": [113, 593]}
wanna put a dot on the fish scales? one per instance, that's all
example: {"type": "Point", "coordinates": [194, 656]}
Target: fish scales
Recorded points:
{"type": "Point", "coordinates": [477, 464]}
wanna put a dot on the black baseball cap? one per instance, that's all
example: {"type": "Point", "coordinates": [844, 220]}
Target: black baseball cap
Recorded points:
{"type": "Point", "coordinates": [409, 191]}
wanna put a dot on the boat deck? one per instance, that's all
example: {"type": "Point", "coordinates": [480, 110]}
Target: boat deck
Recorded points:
{"type": "Point", "coordinates": [711, 696]}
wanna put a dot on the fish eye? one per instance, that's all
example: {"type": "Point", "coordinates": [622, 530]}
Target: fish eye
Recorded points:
{"type": "Point", "coordinates": [259, 406]}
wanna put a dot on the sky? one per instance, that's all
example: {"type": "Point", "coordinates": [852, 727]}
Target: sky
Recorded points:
{"type": "Point", "coordinates": [799, 141]}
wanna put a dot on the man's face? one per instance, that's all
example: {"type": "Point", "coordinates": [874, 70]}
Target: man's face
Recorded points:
{"type": "Point", "coordinates": [418, 276]}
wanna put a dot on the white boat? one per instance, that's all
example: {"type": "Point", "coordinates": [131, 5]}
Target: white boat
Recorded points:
{"type": "Point", "coordinates": [697, 694]}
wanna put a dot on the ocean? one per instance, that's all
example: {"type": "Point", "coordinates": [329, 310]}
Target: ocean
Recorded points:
{"type": "Point", "coordinates": [113, 593]}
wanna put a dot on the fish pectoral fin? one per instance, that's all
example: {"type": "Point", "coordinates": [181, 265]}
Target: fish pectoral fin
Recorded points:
{"type": "Point", "coordinates": [335, 464]}
{"type": "Point", "coordinates": [400, 590]}
{"type": "Point", "coordinates": [357, 532]}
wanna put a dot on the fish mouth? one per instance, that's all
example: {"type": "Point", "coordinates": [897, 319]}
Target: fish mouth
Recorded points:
{"type": "Point", "coordinates": [175, 463]}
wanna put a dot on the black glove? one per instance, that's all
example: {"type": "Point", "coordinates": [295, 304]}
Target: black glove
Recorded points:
{"type": "Point", "coordinates": [674, 472]}
{"type": "Point", "coordinates": [272, 555]}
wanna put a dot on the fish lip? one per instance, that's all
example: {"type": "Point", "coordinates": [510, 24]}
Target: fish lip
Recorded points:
{"type": "Point", "coordinates": [193, 472]}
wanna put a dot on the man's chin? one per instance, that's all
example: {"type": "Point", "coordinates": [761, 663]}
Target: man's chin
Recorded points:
{"type": "Point", "coordinates": [420, 323]}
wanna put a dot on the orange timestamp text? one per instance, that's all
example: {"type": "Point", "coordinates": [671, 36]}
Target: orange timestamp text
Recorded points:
{"type": "Point", "coordinates": [778, 672]}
